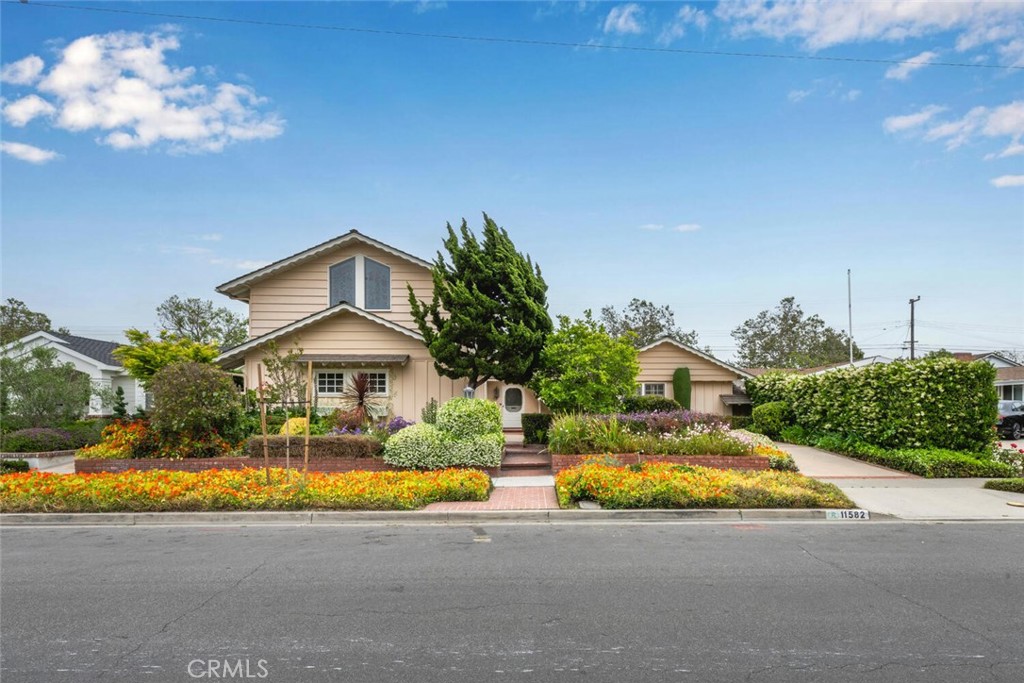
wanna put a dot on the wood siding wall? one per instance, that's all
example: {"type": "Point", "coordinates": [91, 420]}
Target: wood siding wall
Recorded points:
{"type": "Point", "coordinates": [411, 385]}
{"type": "Point", "coordinates": [304, 289]}
{"type": "Point", "coordinates": [708, 380]}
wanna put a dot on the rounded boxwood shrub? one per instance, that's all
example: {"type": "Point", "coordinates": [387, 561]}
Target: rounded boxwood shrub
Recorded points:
{"type": "Point", "coordinates": [771, 418]}
{"type": "Point", "coordinates": [465, 418]}
{"type": "Point", "coordinates": [418, 446]}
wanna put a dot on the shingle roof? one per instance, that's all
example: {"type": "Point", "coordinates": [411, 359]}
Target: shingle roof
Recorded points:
{"type": "Point", "coordinates": [97, 349]}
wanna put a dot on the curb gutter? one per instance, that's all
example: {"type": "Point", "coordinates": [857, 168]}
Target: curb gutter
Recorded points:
{"type": "Point", "coordinates": [327, 518]}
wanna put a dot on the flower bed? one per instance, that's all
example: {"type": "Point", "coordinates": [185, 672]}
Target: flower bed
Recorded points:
{"type": "Point", "coordinates": [247, 489]}
{"type": "Point", "coordinates": [676, 433]}
{"type": "Point", "coordinates": [560, 462]}
{"type": "Point", "coordinates": [661, 485]}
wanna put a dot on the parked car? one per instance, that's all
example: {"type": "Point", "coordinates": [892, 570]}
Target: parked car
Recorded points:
{"type": "Point", "coordinates": [1010, 423]}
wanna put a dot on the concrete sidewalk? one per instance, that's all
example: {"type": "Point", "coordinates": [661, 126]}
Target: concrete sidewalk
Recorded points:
{"type": "Point", "coordinates": [903, 495]}
{"type": "Point", "coordinates": [824, 465]}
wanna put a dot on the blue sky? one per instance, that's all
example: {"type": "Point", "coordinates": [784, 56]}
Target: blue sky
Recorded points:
{"type": "Point", "coordinates": [146, 156]}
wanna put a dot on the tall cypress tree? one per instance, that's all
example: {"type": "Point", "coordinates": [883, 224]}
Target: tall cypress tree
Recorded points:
{"type": "Point", "coordinates": [488, 318]}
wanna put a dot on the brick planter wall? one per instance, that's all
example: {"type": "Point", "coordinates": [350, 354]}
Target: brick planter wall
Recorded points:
{"type": "Point", "coordinates": [201, 464]}
{"type": "Point", "coordinates": [725, 462]}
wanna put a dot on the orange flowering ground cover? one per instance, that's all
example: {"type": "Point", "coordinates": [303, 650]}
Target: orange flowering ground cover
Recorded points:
{"type": "Point", "coordinates": [663, 485]}
{"type": "Point", "coordinates": [247, 489]}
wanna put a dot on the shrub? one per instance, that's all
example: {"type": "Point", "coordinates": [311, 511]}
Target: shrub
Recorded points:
{"type": "Point", "coordinates": [118, 440]}
{"type": "Point", "coordinates": [37, 440]}
{"type": "Point", "coordinates": [925, 462]}
{"type": "Point", "coordinates": [344, 446]}
{"type": "Point", "coordinates": [535, 427]}
{"type": "Point", "coordinates": [794, 434]}
{"type": "Point", "coordinates": [648, 404]}
{"type": "Point", "coordinates": [1013, 456]}
{"type": "Point", "coordinates": [593, 434]}
{"type": "Point", "coordinates": [771, 418]}
{"type": "Point", "coordinates": [469, 417]}
{"type": "Point", "coordinates": [739, 421]}
{"type": "Point", "coordinates": [12, 466]}
{"type": "Point", "coordinates": [477, 451]}
{"type": "Point", "coordinates": [681, 386]}
{"type": "Point", "coordinates": [87, 432]}
{"type": "Point", "coordinates": [933, 402]}
{"type": "Point", "coordinates": [418, 446]}
{"type": "Point", "coordinates": [429, 412]}
{"type": "Point", "coordinates": [1015, 485]}
{"type": "Point", "coordinates": [295, 426]}
{"type": "Point", "coordinates": [39, 391]}
{"type": "Point", "coordinates": [194, 402]}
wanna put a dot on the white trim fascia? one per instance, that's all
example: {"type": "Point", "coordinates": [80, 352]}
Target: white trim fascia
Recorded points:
{"type": "Point", "coordinates": [64, 349]}
{"type": "Point", "coordinates": [229, 288]}
{"type": "Point", "coordinates": [742, 373]}
{"type": "Point", "coordinates": [242, 349]}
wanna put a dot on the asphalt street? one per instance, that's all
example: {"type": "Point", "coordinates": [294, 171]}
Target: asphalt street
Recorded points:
{"type": "Point", "coordinates": [871, 601]}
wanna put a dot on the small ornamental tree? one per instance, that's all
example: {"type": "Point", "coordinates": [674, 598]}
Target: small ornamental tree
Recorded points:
{"type": "Point", "coordinates": [195, 402]}
{"type": "Point", "coordinates": [144, 356]}
{"type": "Point", "coordinates": [39, 391]}
{"type": "Point", "coordinates": [489, 314]}
{"type": "Point", "coordinates": [584, 369]}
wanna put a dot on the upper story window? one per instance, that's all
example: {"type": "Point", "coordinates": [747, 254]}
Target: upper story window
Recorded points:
{"type": "Point", "coordinates": [362, 282]}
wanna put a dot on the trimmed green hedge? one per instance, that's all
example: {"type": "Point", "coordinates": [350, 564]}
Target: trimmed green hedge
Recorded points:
{"type": "Point", "coordinates": [467, 434]}
{"type": "Point", "coordinates": [1015, 485]}
{"type": "Point", "coordinates": [649, 404]}
{"type": "Point", "coordinates": [344, 446]}
{"type": "Point", "coordinates": [928, 403]}
{"type": "Point", "coordinates": [535, 427]}
{"type": "Point", "coordinates": [772, 418]}
{"type": "Point", "coordinates": [682, 387]}
{"type": "Point", "coordinates": [465, 418]}
{"type": "Point", "coordinates": [925, 462]}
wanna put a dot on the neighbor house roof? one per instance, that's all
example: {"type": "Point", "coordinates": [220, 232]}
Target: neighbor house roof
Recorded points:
{"type": "Point", "coordinates": [95, 351]}
{"type": "Point", "coordinates": [238, 288]}
{"type": "Point", "coordinates": [697, 352]}
{"type": "Point", "coordinates": [232, 355]}
{"type": "Point", "coordinates": [1010, 374]}
{"type": "Point", "coordinates": [863, 362]}
{"type": "Point", "coordinates": [968, 357]}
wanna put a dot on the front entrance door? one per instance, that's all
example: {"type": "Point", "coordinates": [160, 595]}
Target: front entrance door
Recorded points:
{"type": "Point", "coordinates": [512, 408]}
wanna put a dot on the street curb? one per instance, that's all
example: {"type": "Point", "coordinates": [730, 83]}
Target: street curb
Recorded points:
{"type": "Point", "coordinates": [327, 518]}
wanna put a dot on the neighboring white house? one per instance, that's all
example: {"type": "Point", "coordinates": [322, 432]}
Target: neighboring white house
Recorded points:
{"type": "Point", "coordinates": [95, 358]}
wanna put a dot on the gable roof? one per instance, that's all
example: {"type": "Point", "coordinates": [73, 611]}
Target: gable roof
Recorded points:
{"type": "Point", "coordinates": [98, 351]}
{"type": "Point", "coordinates": [236, 353]}
{"type": "Point", "coordinates": [238, 288]}
{"type": "Point", "coordinates": [697, 352]}
{"type": "Point", "coordinates": [968, 357]}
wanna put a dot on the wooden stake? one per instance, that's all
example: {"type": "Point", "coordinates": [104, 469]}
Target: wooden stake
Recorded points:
{"type": "Point", "coordinates": [263, 422]}
{"type": "Point", "coordinates": [309, 404]}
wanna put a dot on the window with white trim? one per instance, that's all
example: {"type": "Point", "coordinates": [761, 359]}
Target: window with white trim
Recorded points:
{"type": "Point", "coordinates": [652, 389]}
{"type": "Point", "coordinates": [378, 382]}
{"type": "Point", "coordinates": [330, 383]}
{"type": "Point", "coordinates": [1011, 392]}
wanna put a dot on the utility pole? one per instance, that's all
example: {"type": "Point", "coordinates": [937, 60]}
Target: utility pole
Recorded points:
{"type": "Point", "coordinates": [912, 302]}
{"type": "Point", "coordinates": [849, 305]}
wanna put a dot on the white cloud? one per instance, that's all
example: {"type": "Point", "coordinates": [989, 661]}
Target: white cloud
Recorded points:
{"type": "Point", "coordinates": [851, 95]}
{"type": "Point", "coordinates": [901, 72]}
{"type": "Point", "coordinates": [1008, 181]}
{"type": "Point", "coordinates": [121, 85]}
{"type": "Point", "coordinates": [22, 72]}
{"type": "Point", "coordinates": [624, 19]}
{"type": "Point", "coordinates": [686, 16]}
{"type": "Point", "coordinates": [687, 227]}
{"type": "Point", "coordinates": [211, 237]}
{"type": "Point", "coordinates": [20, 112]}
{"type": "Point", "coordinates": [33, 155]}
{"type": "Point", "coordinates": [825, 24]}
{"type": "Point", "coordinates": [424, 6]}
{"type": "Point", "coordinates": [1005, 121]}
{"type": "Point", "coordinates": [896, 124]}
{"type": "Point", "coordinates": [798, 95]}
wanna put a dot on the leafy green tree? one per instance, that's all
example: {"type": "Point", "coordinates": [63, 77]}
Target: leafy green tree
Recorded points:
{"type": "Point", "coordinates": [489, 314]}
{"type": "Point", "coordinates": [195, 402]}
{"type": "Point", "coordinates": [144, 356]}
{"type": "Point", "coordinates": [647, 322]}
{"type": "Point", "coordinates": [39, 391]}
{"type": "Point", "coordinates": [585, 369]}
{"type": "Point", "coordinates": [199, 321]}
{"type": "Point", "coordinates": [786, 338]}
{"type": "Point", "coordinates": [16, 321]}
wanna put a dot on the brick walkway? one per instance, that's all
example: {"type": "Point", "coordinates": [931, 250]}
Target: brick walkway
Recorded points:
{"type": "Point", "coordinates": [510, 498]}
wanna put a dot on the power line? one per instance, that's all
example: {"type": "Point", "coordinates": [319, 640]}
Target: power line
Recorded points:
{"type": "Point", "coordinates": [497, 39]}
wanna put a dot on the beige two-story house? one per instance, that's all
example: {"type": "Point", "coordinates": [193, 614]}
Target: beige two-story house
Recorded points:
{"type": "Point", "coordinates": [345, 303]}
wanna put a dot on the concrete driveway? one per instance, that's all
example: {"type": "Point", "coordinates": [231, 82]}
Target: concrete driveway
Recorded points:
{"type": "Point", "coordinates": [904, 495]}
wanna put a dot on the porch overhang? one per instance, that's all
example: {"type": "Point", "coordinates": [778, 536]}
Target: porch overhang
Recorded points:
{"type": "Point", "coordinates": [354, 359]}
